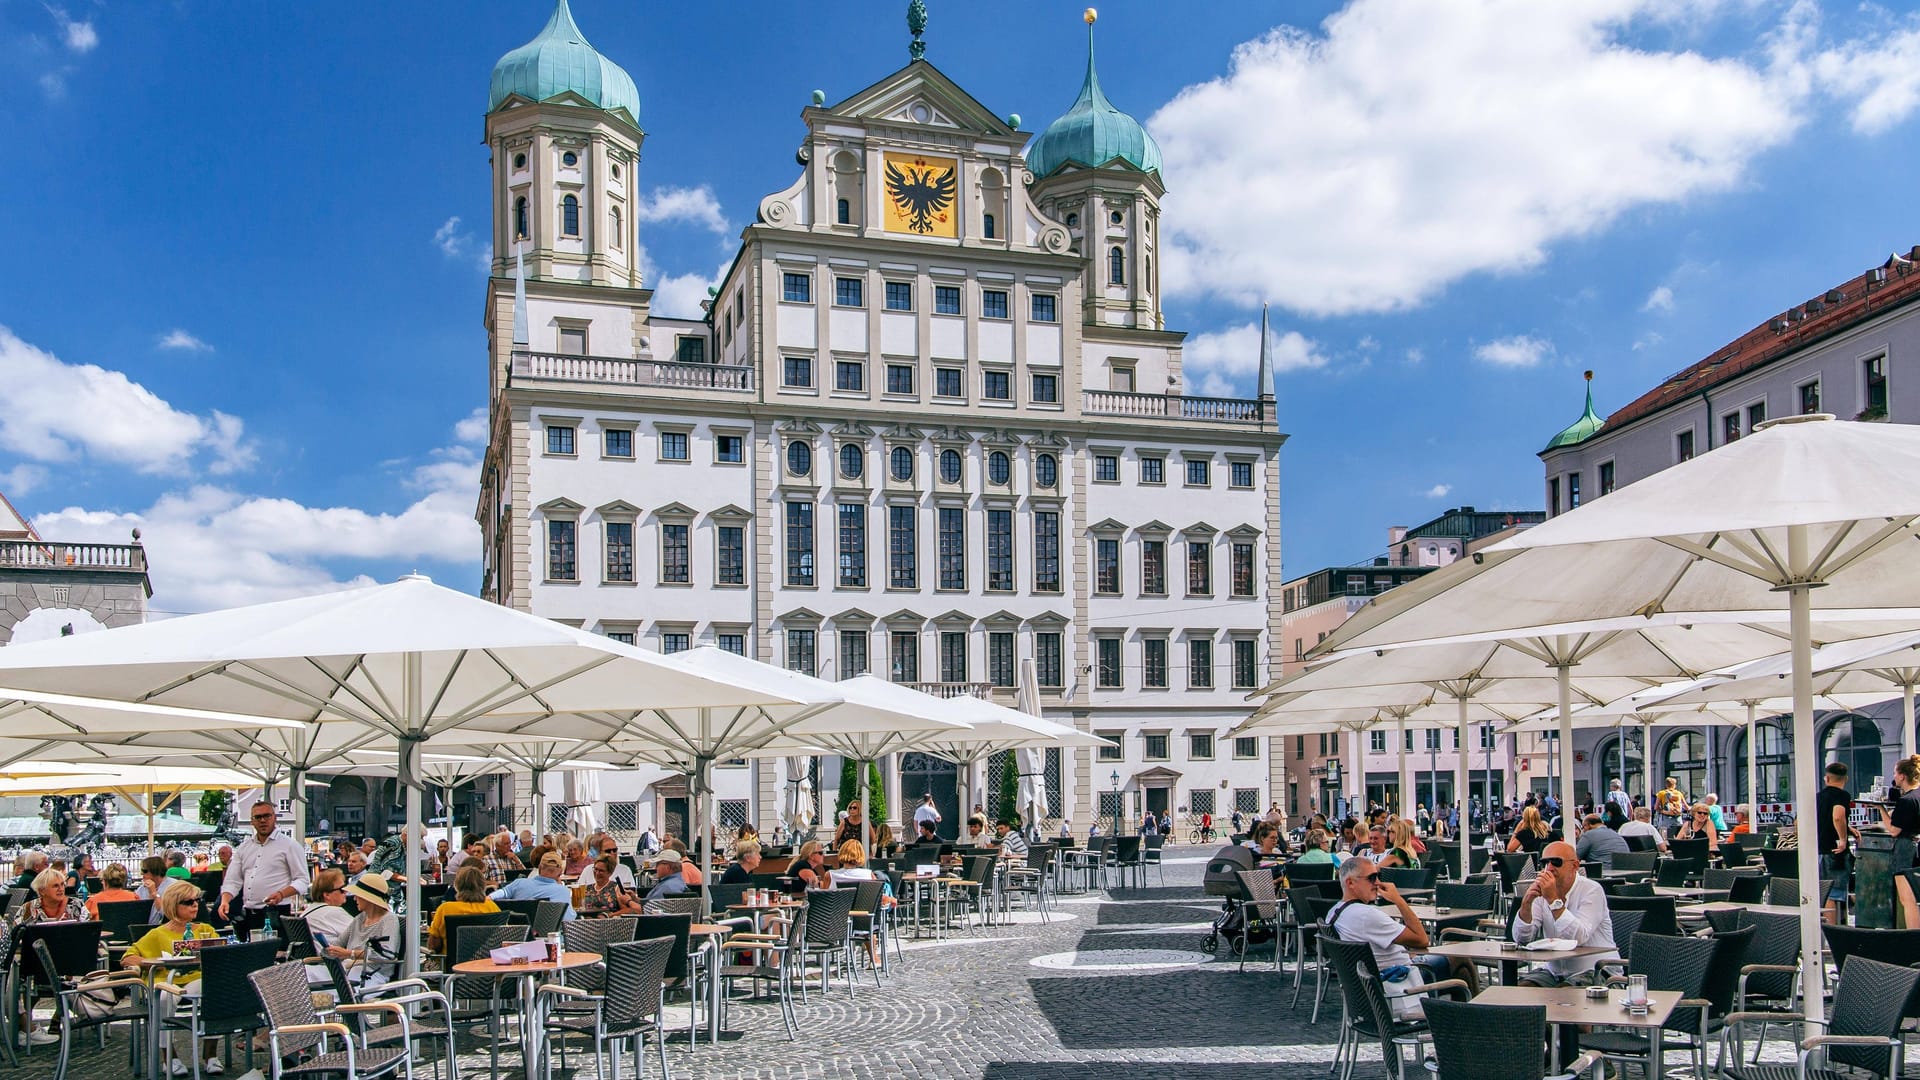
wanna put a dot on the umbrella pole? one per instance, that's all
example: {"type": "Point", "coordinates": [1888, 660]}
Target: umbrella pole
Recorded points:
{"type": "Point", "coordinates": [1563, 674]}
{"type": "Point", "coordinates": [1753, 767]}
{"type": "Point", "coordinates": [538, 778]}
{"type": "Point", "coordinates": [409, 770]}
{"type": "Point", "coordinates": [1400, 742]}
{"type": "Point", "coordinates": [703, 846]}
{"type": "Point", "coordinates": [1646, 759]}
{"type": "Point", "coordinates": [297, 788]}
{"type": "Point", "coordinates": [1906, 721]}
{"type": "Point", "coordinates": [1460, 793]}
{"type": "Point", "coordinates": [1806, 777]}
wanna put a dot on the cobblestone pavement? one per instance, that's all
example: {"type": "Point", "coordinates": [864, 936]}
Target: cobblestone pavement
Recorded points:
{"type": "Point", "coordinates": [1116, 978]}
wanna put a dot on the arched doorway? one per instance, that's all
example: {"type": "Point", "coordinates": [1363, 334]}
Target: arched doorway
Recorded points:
{"type": "Point", "coordinates": [1774, 764]}
{"type": "Point", "coordinates": [1607, 767]}
{"type": "Point", "coordinates": [1853, 739]}
{"type": "Point", "coordinates": [923, 773]}
{"type": "Point", "coordinates": [1685, 759]}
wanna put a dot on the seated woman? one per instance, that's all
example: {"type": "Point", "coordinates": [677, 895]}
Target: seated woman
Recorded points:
{"type": "Point", "coordinates": [605, 896]}
{"type": "Point", "coordinates": [469, 898]}
{"type": "Point", "coordinates": [113, 889]}
{"type": "Point", "coordinates": [1316, 847]}
{"type": "Point", "coordinates": [576, 860]}
{"type": "Point", "coordinates": [810, 866]}
{"type": "Point", "coordinates": [1531, 834]}
{"type": "Point", "coordinates": [179, 904]}
{"type": "Point", "coordinates": [1266, 842]}
{"type": "Point", "coordinates": [746, 859]}
{"type": "Point", "coordinates": [1700, 823]}
{"type": "Point", "coordinates": [371, 945]}
{"type": "Point", "coordinates": [1400, 846]}
{"type": "Point", "coordinates": [851, 865]}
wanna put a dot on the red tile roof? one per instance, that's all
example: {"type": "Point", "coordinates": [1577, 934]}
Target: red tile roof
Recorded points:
{"type": "Point", "coordinates": [1807, 323]}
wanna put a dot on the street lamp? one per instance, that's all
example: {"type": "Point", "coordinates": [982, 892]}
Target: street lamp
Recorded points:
{"type": "Point", "coordinates": [1116, 802]}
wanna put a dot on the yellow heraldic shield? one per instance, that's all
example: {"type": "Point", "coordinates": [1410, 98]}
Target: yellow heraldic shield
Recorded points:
{"type": "Point", "coordinates": [922, 194]}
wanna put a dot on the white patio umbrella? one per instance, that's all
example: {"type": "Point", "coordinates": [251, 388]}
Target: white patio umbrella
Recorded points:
{"type": "Point", "coordinates": [1805, 514]}
{"type": "Point", "coordinates": [992, 728]}
{"type": "Point", "coordinates": [1033, 759]}
{"type": "Point", "coordinates": [410, 660]}
{"type": "Point", "coordinates": [46, 725]}
{"type": "Point", "coordinates": [800, 796]}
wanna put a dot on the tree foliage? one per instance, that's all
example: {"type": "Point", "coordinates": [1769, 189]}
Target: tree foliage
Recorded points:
{"type": "Point", "coordinates": [1007, 807]}
{"type": "Point", "coordinates": [214, 806]}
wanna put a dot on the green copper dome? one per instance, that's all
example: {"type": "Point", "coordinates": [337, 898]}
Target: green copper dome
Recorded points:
{"type": "Point", "coordinates": [1580, 430]}
{"type": "Point", "coordinates": [559, 61]}
{"type": "Point", "coordinates": [1092, 133]}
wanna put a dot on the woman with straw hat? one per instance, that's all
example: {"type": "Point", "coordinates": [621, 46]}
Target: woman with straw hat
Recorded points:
{"type": "Point", "coordinates": [371, 945]}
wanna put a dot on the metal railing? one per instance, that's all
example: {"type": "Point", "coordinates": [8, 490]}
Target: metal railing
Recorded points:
{"type": "Point", "coordinates": [614, 370]}
{"type": "Point", "coordinates": [1173, 407]}
{"type": "Point", "coordinates": [952, 689]}
{"type": "Point", "coordinates": [42, 555]}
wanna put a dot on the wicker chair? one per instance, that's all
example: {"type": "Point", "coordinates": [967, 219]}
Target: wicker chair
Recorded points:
{"type": "Point", "coordinates": [1770, 979]}
{"type": "Point", "coordinates": [1464, 896]}
{"type": "Point", "coordinates": [463, 991]}
{"type": "Point", "coordinates": [546, 919]}
{"type": "Point", "coordinates": [869, 924]}
{"type": "Point", "coordinates": [1863, 1028]}
{"type": "Point", "coordinates": [429, 1014]}
{"type": "Point", "coordinates": [1750, 889]}
{"type": "Point", "coordinates": [117, 916]}
{"type": "Point", "coordinates": [1669, 963]}
{"type": "Point", "coordinates": [681, 973]}
{"type": "Point", "coordinates": [674, 905]}
{"type": "Point", "coordinates": [72, 1018]}
{"type": "Point", "coordinates": [298, 1039]}
{"type": "Point", "coordinates": [1492, 1042]}
{"type": "Point", "coordinates": [1405, 877]}
{"type": "Point", "coordinates": [1306, 932]}
{"type": "Point", "coordinates": [1637, 862]}
{"type": "Point", "coordinates": [1625, 925]}
{"type": "Point", "coordinates": [594, 936]}
{"type": "Point", "coordinates": [1366, 1011]}
{"type": "Point", "coordinates": [779, 960]}
{"type": "Point", "coordinates": [628, 1008]}
{"type": "Point", "coordinates": [1032, 879]}
{"type": "Point", "coordinates": [225, 1006]}
{"type": "Point", "coordinates": [1260, 906]}
{"type": "Point", "coordinates": [830, 935]}
{"type": "Point", "coordinates": [1899, 947]}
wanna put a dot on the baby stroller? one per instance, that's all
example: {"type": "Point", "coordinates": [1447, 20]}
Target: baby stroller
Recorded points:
{"type": "Point", "coordinates": [1223, 879]}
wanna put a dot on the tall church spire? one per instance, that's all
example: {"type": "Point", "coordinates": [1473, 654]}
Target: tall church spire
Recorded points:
{"type": "Point", "coordinates": [1263, 383]}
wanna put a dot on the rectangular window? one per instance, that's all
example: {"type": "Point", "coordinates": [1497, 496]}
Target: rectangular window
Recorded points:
{"type": "Point", "coordinates": [1106, 652]}
{"type": "Point", "coordinates": [673, 641]}
{"type": "Point", "coordinates": [1573, 491]}
{"type": "Point", "coordinates": [800, 646]}
{"type": "Point", "coordinates": [899, 378]}
{"type": "Point", "coordinates": [1683, 446]}
{"type": "Point", "coordinates": [1046, 389]}
{"type": "Point", "coordinates": [797, 372]}
{"type": "Point", "coordinates": [904, 653]}
{"type": "Point", "coordinates": [673, 446]}
{"type": "Point", "coordinates": [1756, 415]}
{"type": "Point", "coordinates": [1046, 659]}
{"type": "Point", "coordinates": [903, 548]}
{"type": "Point", "coordinates": [1200, 664]}
{"type": "Point", "coordinates": [1201, 801]}
{"type": "Point", "coordinates": [1810, 397]}
{"type": "Point", "coordinates": [953, 656]}
{"type": "Point", "coordinates": [691, 350]}
{"type": "Point", "coordinates": [624, 637]}
{"type": "Point", "coordinates": [573, 340]}
{"type": "Point", "coordinates": [1300, 746]}
{"type": "Point", "coordinates": [993, 304]}
{"type": "Point", "coordinates": [1729, 429]}
{"type": "Point", "coordinates": [1240, 474]}
{"type": "Point", "coordinates": [1242, 558]}
{"type": "Point", "coordinates": [673, 554]}
{"type": "Point", "coordinates": [853, 545]}
{"type": "Point", "coordinates": [999, 551]}
{"type": "Point", "coordinates": [1606, 477]}
{"type": "Point", "coordinates": [1553, 490]}
{"type": "Point", "coordinates": [953, 548]}
{"type": "Point", "coordinates": [1246, 747]}
{"type": "Point", "coordinates": [1046, 551]}
{"type": "Point", "coordinates": [1153, 567]}
{"type": "Point", "coordinates": [853, 653]}
{"type": "Point", "coordinates": [1486, 736]}
{"type": "Point", "coordinates": [1199, 568]}
{"type": "Point", "coordinates": [1433, 738]}
{"type": "Point", "coordinates": [849, 375]}
{"type": "Point", "coordinates": [560, 550]}
{"type": "Point", "coordinates": [1154, 748]}
{"type": "Point", "coordinates": [1245, 670]}
{"type": "Point", "coordinates": [559, 439]}
{"type": "Point", "coordinates": [1000, 658]}
{"type": "Point", "coordinates": [996, 386]}
{"type": "Point", "coordinates": [946, 299]}
{"type": "Point", "coordinates": [800, 543]}
{"type": "Point", "coordinates": [730, 564]}
{"type": "Point", "coordinates": [1200, 747]}
{"type": "Point", "coordinates": [1873, 379]}
{"type": "Point", "coordinates": [1153, 671]}
{"type": "Point", "coordinates": [617, 443]}
{"type": "Point", "coordinates": [731, 642]}
{"type": "Point", "coordinates": [1199, 472]}
{"type": "Point", "coordinates": [947, 383]}
{"type": "Point", "coordinates": [796, 288]}
{"type": "Point", "coordinates": [1116, 752]}
{"type": "Point", "coordinates": [1376, 742]}
{"type": "Point", "coordinates": [619, 550]}
{"type": "Point", "coordinates": [1106, 468]}
{"type": "Point", "coordinates": [1106, 566]}
{"type": "Point", "coordinates": [1046, 308]}
{"type": "Point", "coordinates": [899, 296]}
{"type": "Point", "coordinates": [849, 292]}
{"type": "Point", "coordinates": [729, 449]}
{"type": "Point", "coordinates": [1153, 470]}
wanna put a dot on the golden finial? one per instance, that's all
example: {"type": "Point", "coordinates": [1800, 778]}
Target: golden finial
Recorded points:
{"type": "Point", "coordinates": [1090, 16]}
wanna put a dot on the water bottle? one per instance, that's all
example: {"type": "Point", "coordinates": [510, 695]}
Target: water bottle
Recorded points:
{"type": "Point", "coordinates": [266, 929]}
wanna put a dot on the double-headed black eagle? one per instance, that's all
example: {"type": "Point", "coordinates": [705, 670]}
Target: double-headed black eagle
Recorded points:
{"type": "Point", "coordinates": [921, 193]}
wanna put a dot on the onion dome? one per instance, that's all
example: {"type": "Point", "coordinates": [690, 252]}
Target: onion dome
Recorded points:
{"type": "Point", "coordinates": [1580, 430]}
{"type": "Point", "coordinates": [1093, 132]}
{"type": "Point", "coordinates": [559, 61]}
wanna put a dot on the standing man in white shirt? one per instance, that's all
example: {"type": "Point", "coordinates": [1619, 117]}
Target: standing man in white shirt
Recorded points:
{"type": "Point", "coordinates": [927, 812]}
{"type": "Point", "coordinates": [268, 870]}
{"type": "Point", "coordinates": [1562, 904]}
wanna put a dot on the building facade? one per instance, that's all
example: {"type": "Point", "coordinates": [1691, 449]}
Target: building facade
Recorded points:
{"type": "Point", "coordinates": [1845, 352]}
{"type": "Point", "coordinates": [50, 588]}
{"type": "Point", "coordinates": [931, 425]}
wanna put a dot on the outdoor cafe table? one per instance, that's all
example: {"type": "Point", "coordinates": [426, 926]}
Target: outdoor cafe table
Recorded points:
{"type": "Point", "coordinates": [1699, 911]}
{"type": "Point", "coordinates": [1571, 1005]}
{"type": "Point", "coordinates": [936, 886]}
{"type": "Point", "coordinates": [150, 969]}
{"type": "Point", "coordinates": [1684, 892]}
{"type": "Point", "coordinates": [1429, 914]}
{"type": "Point", "coordinates": [527, 973]}
{"type": "Point", "coordinates": [716, 931]}
{"type": "Point", "coordinates": [1509, 959]}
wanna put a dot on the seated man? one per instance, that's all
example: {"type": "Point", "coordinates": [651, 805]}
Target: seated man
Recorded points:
{"type": "Point", "coordinates": [1562, 904]}
{"type": "Point", "coordinates": [668, 880]}
{"type": "Point", "coordinates": [542, 884]}
{"type": "Point", "coordinates": [1642, 825]}
{"type": "Point", "coordinates": [746, 859]}
{"type": "Point", "coordinates": [1388, 933]}
{"type": "Point", "coordinates": [928, 834]}
{"type": "Point", "coordinates": [977, 835]}
{"type": "Point", "coordinates": [1597, 842]}
{"type": "Point", "coordinates": [1013, 846]}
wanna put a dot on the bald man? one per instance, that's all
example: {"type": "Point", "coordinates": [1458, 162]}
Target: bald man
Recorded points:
{"type": "Point", "coordinates": [1562, 904]}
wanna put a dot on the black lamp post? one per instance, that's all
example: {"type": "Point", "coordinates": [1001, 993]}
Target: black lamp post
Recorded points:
{"type": "Point", "coordinates": [1116, 802]}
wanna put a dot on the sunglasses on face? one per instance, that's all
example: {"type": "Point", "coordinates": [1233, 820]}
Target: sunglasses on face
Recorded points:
{"type": "Point", "coordinates": [1554, 861]}
{"type": "Point", "coordinates": [1373, 879]}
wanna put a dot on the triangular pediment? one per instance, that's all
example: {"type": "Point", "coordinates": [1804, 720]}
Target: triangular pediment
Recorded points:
{"type": "Point", "coordinates": [801, 616]}
{"type": "Point", "coordinates": [921, 94]}
{"type": "Point", "coordinates": [1107, 527]}
{"type": "Point", "coordinates": [1049, 439]}
{"type": "Point", "coordinates": [618, 508]}
{"type": "Point", "coordinates": [903, 617]}
{"type": "Point", "coordinates": [799, 426]}
{"type": "Point", "coordinates": [560, 506]}
{"type": "Point", "coordinates": [730, 512]}
{"type": "Point", "coordinates": [950, 435]}
{"type": "Point", "coordinates": [1050, 618]}
{"type": "Point", "coordinates": [675, 510]}
{"type": "Point", "coordinates": [854, 617]}
{"type": "Point", "coordinates": [903, 433]}
{"type": "Point", "coordinates": [1003, 617]}
{"type": "Point", "coordinates": [1199, 528]}
{"type": "Point", "coordinates": [997, 437]}
{"type": "Point", "coordinates": [1243, 532]}
{"type": "Point", "coordinates": [1156, 528]}
{"type": "Point", "coordinates": [956, 617]}
{"type": "Point", "coordinates": [853, 429]}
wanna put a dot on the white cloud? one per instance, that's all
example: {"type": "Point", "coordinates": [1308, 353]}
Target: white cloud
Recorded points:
{"type": "Point", "coordinates": [78, 35]}
{"type": "Point", "coordinates": [180, 339]}
{"type": "Point", "coordinates": [22, 479]}
{"type": "Point", "coordinates": [1438, 491]}
{"type": "Point", "coordinates": [51, 411]}
{"type": "Point", "coordinates": [1648, 340]}
{"type": "Point", "coordinates": [448, 237]}
{"type": "Point", "coordinates": [695, 206]}
{"type": "Point", "coordinates": [1660, 299]}
{"type": "Point", "coordinates": [472, 428]}
{"type": "Point", "coordinates": [1416, 355]}
{"type": "Point", "coordinates": [1224, 363]}
{"type": "Point", "coordinates": [54, 84]}
{"type": "Point", "coordinates": [1519, 351]}
{"type": "Point", "coordinates": [1879, 78]}
{"type": "Point", "coordinates": [1408, 144]}
{"type": "Point", "coordinates": [456, 243]}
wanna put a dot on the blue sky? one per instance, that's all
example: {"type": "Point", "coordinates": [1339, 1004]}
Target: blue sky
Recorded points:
{"type": "Point", "coordinates": [239, 311]}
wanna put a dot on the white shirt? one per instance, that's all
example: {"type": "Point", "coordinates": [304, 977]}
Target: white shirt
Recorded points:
{"type": "Point", "coordinates": [926, 813]}
{"type": "Point", "coordinates": [1584, 919]}
{"type": "Point", "coordinates": [1377, 927]}
{"type": "Point", "coordinates": [329, 920]}
{"type": "Point", "coordinates": [259, 870]}
{"type": "Point", "coordinates": [1642, 828]}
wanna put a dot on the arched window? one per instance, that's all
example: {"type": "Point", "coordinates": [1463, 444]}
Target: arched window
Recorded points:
{"type": "Point", "coordinates": [843, 212]}
{"type": "Point", "coordinates": [1607, 766]}
{"type": "Point", "coordinates": [1774, 764]}
{"type": "Point", "coordinates": [616, 229]}
{"type": "Point", "coordinates": [999, 467]}
{"type": "Point", "coordinates": [950, 466]}
{"type": "Point", "coordinates": [902, 463]}
{"type": "Point", "coordinates": [986, 225]}
{"type": "Point", "coordinates": [1686, 761]}
{"type": "Point", "coordinates": [1856, 741]}
{"type": "Point", "coordinates": [853, 461]}
{"type": "Point", "coordinates": [1046, 470]}
{"type": "Point", "coordinates": [570, 216]}
{"type": "Point", "coordinates": [799, 458]}
{"type": "Point", "coordinates": [520, 217]}
{"type": "Point", "coordinates": [1116, 266]}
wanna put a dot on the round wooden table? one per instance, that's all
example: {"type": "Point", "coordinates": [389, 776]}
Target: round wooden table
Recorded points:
{"type": "Point", "coordinates": [529, 1031]}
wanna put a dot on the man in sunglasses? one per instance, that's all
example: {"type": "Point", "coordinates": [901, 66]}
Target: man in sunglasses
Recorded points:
{"type": "Point", "coordinates": [1562, 904]}
{"type": "Point", "coordinates": [269, 869]}
{"type": "Point", "coordinates": [1389, 934]}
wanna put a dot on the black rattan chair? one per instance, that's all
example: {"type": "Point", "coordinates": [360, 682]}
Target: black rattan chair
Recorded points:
{"type": "Point", "coordinates": [299, 1040]}
{"type": "Point", "coordinates": [627, 1008]}
{"type": "Point", "coordinates": [1669, 963]}
{"type": "Point", "coordinates": [1367, 1012]}
{"type": "Point", "coordinates": [1863, 1028]}
{"type": "Point", "coordinates": [1492, 1042]}
{"type": "Point", "coordinates": [126, 990]}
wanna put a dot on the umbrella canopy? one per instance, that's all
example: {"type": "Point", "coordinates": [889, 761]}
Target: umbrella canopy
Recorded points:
{"type": "Point", "coordinates": [149, 788]}
{"type": "Point", "coordinates": [800, 797]}
{"type": "Point", "coordinates": [41, 724]}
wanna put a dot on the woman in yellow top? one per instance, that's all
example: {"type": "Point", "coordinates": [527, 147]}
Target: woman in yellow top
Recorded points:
{"type": "Point", "coordinates": [469, 898]}
{"type": "Point", "coordinates": [179, 905]}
